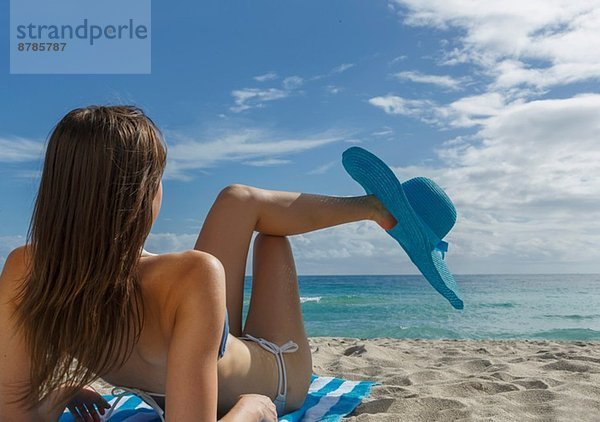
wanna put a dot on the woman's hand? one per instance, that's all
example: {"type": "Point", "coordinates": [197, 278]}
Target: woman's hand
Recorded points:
{"type": "Point", "coordinates": [82, 405]}
{"type": "Point", "coordinates": [258, 407]}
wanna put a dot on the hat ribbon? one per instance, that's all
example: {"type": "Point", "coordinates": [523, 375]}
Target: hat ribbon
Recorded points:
{"type": "Point", "coordinates": [438, 244]}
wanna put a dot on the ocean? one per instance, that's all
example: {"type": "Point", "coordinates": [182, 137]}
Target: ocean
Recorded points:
{"type": "Point", "coordinates": [557, 307]}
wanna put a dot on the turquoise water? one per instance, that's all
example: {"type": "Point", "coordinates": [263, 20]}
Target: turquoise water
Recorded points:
{"type": "Point", "coordinates": [560, 307]}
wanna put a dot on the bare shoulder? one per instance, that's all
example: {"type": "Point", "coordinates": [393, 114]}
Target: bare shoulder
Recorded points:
{"type": "Point", "coordinates": [180, 261]}
{"type": "Point", "coordinates": [14, 271]}
{"type": "Point", "coordinates": [171, 277]}
{"type": "Point", "coordinates": [17, 259]}
{"type": "Point", "coordinates": [175, 269]}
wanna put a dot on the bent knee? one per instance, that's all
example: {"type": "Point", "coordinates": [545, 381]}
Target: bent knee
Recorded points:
{"type": "Point", "coordinates": [238, 192]}
{"type": "Point", "coordinates": [266, 239]}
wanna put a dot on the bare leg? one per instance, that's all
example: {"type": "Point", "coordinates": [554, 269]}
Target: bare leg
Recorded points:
{"type": "Point", "coordinates": [275, 312]}
{"type": "Point", "coordinates": [240, 210]}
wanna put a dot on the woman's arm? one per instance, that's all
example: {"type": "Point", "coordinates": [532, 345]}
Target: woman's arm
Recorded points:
{"type": "Point", "coordinates": [191, 385]}
{"type": "Point", "coordinates": [192, 382]}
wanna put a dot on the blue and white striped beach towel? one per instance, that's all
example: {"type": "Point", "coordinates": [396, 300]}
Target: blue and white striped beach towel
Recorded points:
{"type": "Point", "coordinates": [329, 400]}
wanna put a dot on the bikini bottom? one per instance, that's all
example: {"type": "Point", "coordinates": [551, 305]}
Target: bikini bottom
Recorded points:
{"type": "Point", "coordinates": [278, 351]}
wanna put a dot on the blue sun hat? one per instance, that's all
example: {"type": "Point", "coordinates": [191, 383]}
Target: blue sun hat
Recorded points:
{"type": "Point", "coordinates": [423, 211]}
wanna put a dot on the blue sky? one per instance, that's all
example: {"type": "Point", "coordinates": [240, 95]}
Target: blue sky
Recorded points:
{"type": "Point", "coordinates": [497, 102]}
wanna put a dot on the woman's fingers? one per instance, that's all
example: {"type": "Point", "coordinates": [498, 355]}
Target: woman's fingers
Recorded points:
{"type": "Point", "coordinates": [91, 410]}
{"type": "Point", "coordinates": [75, 413]}
{"type": "Point", "coordinates": [102, 405]}
{"type": "Point", "coordinates": [87, 417]}
{"type": "Point", "coordinates": [86, 406]}
{"type": "Point", "coordinates": [274, 414]}
{"type": "Point", "coordinates": [81, 414]}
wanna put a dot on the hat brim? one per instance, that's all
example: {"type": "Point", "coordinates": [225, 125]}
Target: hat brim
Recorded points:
{"type": "Point", "coordinates": [378, 179]}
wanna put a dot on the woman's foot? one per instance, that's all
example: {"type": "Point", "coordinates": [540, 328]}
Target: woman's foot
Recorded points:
{"type": "Point", "coordinates": [381, 215]}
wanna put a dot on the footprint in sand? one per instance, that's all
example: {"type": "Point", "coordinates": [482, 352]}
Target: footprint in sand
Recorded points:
{"type": "Point", "coordinates": [532, 384]}
{"type": "Point", "coordinates": [497, 367]}
{"type": "Point", "coordinates": [393, 391]}
{"type": "Point", "coordinates": [426, 376]}
{"type": "Point", "coordinates": [429, 409]}
{"type": "Point", "coordinates": [471, 388]}
{"type": "Point", "coordinates": [374, 406]}
{"type": "Point", "coordinates": [549, 355]}
{"type": "Point", "coordinates": [475, 365]}
{"type": "Point", "coordinates": [532, 396]}
{"type": "Point", "coordinates": [398, 380]}
{"type": "Point", "coordinates": [357, 350]}
{"type": "Point", "coordinates": [564, 365]}
{"type": "Point", "coordinates": [504, 376]}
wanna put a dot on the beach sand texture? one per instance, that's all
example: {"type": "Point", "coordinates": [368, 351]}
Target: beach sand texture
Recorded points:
{"type": "Point", "coordinates": [450, 380]}
{"type": "Point", "coordinates": [465, 380]}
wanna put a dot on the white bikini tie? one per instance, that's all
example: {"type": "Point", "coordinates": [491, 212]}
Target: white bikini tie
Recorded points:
{"type": "Point", "coordinates": [278, 351]}
{"type": "Point", "coordinates": [126, 390]}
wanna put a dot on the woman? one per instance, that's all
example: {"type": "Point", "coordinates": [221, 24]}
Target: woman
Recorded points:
{"type": "Point", "coordinates": [83, 300]}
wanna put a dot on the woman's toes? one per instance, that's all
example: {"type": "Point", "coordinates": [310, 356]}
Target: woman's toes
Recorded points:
{"type": "Point", "coordinates": [382, 216]}
{"type": "Point", "coordinates": [387, 220]}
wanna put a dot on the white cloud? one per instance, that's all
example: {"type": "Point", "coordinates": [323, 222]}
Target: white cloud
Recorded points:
{"type": "Point", "coordinates": [526, 188]}
{"type": "Point", "coordinates": [356, 248]}
{"type": "Point", "coordinates": [254, 97]}
{"type": "Point", "coordinates": [469, 111]}
{"type": "Point", "coordinates": [333, 89]}
{"type": "Point", "coordinates": [292, 82]}
{"type": "Point", "coordinates": [186, 155]}
{"type": "Point", "coordinates": [397, 59]}
{"type": "Point", "coordinates": [28, 175]}
{"type": "Point", "coordinates": [160, 243]}
{"type": "Point", "coordinates": [488, 104]}
{"type": "Point", "coordinates": [385, 132]}
{"type": "Point", "coordinates": [322, 169]}
{"type": "Point", "coordinates": [336, 70]}
{"type": "Point", "coordinates": [269, 162]}
{"type": "Point", "coordinates": [248, 98]}
{"type": "Point", "coordinates": [526, 177]}
{"type": "Point", "coordinates": [393, 104]}
{"type": "Point", "coordinates": [440, 80]}
{"type": "Point", "coordinates": [247, 145]}
{"type": "Point", "coordinates": [342, 68]}
{"type": "Point", "coordinates": [269, 76]}
{"type": "Point", "coordinates": [15, 150]}
{"type": "Point", "coordinates": [537, 43]}
{"type": "Point", "coordinates": [464, 112]}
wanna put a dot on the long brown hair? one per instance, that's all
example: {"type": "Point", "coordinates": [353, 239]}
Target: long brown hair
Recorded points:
{"type": "Point", "coordinates": [80, 308]}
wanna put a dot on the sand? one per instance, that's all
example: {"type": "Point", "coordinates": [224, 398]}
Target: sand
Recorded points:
{"type": "Point", "coordinates": [449, 380]}
{"type": "Point", "coordinates": [465, 380]}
